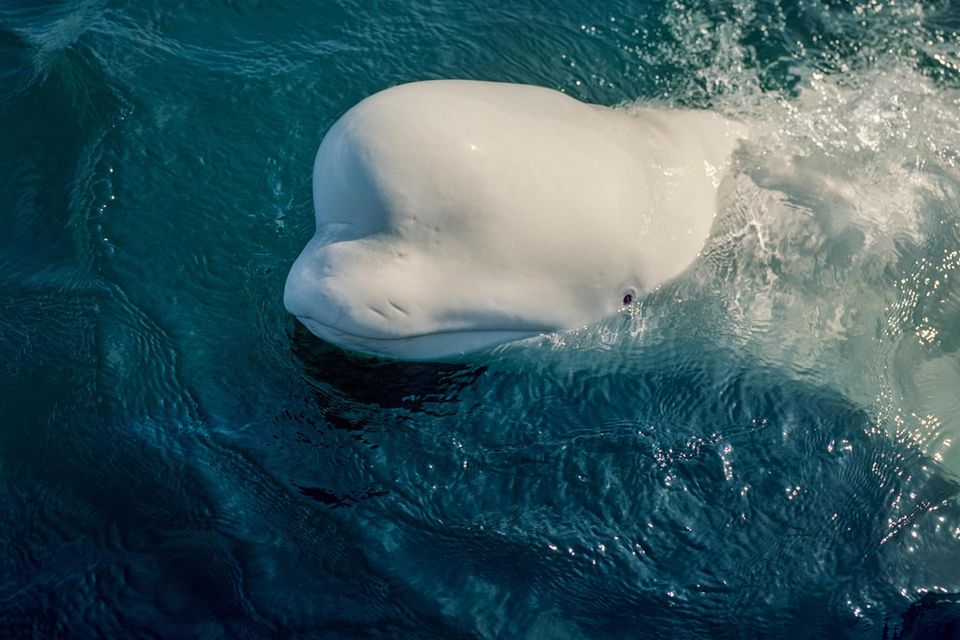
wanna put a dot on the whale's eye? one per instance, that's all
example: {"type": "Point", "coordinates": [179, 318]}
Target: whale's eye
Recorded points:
{"type": "Point", "coordinates": [627, 299]}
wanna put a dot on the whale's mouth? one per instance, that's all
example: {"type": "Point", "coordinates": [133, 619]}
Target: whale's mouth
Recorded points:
{"type": "Point", "coordinates": [421, 346]}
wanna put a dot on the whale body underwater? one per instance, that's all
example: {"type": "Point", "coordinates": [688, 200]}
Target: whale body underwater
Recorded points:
{"type": "Point", "coordinates": [453, 216]}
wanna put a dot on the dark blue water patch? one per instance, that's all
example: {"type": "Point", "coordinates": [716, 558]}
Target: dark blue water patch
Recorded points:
{"type": "Point", "coordinates": [550, 521]}
{"type": "Point", "coordinates": [112, 527]}
{"type": "Point", "coordinates": [934, 616]}
{"type": "Point", "coordinates": [383, 383]}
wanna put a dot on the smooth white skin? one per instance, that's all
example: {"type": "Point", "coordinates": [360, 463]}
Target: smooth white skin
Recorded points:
{"type": "Point", "coordinates": [457, 215]}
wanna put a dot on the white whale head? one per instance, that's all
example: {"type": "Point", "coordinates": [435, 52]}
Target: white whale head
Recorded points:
{"type": "Point", "coordinates": [455, 215]}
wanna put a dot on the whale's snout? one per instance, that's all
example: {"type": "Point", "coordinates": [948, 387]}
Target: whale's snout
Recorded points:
{"type": "Point", "coordinates": [300, 291]}
{"type": "Point", "coordinates": [313, 291]}
{"type": "Point", "coordinates": [348, 289]}
{"type": "Point", "coordinates": [351, 295]}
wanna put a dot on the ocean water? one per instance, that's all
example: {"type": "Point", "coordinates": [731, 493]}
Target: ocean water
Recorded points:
{"type": "Point", "coordinates": [765, 447]}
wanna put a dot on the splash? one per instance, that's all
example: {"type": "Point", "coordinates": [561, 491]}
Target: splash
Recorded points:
{"type": "Point", "coordinates": [834, 256]}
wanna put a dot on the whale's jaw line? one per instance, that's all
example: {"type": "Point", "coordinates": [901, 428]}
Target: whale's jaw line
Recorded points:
{"type": "Point", "coordinates": [432, 346]}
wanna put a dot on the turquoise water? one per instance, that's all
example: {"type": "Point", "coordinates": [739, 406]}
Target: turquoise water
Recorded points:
{"type": "Point", "coordinates": [763, 448]}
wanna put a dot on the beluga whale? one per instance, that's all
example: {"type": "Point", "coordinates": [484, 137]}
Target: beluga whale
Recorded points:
{"type": "Point", "coordinates": [453, 215]}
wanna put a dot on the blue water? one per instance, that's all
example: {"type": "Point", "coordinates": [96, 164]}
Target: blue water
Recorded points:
{"type": "Point", "coordinates": [764, 448]}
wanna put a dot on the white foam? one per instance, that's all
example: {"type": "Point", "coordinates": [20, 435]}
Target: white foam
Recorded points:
{"type": "Point", "coordinates": [834, 256]}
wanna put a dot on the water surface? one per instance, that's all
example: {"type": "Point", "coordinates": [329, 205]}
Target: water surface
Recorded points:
{"type": "Point", "coordinates": [766, 447]}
